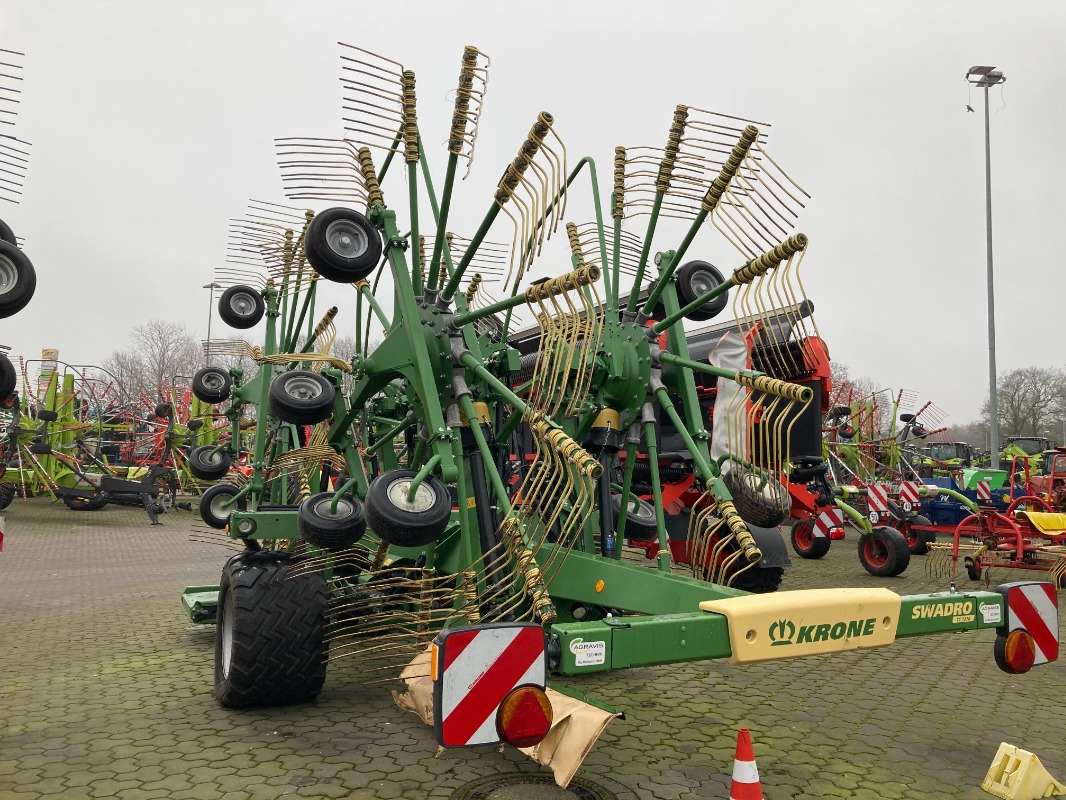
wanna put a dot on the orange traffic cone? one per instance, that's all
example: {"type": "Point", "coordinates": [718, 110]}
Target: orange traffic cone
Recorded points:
{"type": "Point", "coordinates": [746, 784]}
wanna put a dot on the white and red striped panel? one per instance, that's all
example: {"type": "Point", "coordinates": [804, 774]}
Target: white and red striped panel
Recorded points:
{"type": "Point", "coordinates": [1034, 607]}
{"type": "Point", "coordinates": [984, 491]}
{"type": "Point", "coordinates": [877, 497]}
{"type": "Point", "coordinates": [826, 521]}
{"type": "Point", "coordinates": [908, 493]}
{"type": "Point", "coordinates": [477, 668]}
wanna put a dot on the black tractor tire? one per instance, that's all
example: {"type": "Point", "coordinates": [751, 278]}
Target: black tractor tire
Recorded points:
{"type": "Point", "coordinates": [6, 234]}
{"type": "Point", "coordinates": [270, 632]}
{"type": "Point", "coordinates": [41, 448]}
{"type": "Point", "coordinates": [973, 571]}
{"type": "Point", "coordinates": [164, 410]}
{"type": "Point", "coordinates": [884, 553]}
{"type": "Point", "coordinates": [209, 463]}
{"type": "Point", "coordinates": [766, 508]}
{"type": "Point", "coordinates": [759, 580]}
{"type": "Point", "coordinates": [301, 397]}
{"type": "Point", "coordinates": [241, 307]}
{"type": "Point", "coordinates": [212, 385]}
{"type": "Point", "coordinates": [694, 280]}
{"type": "Point", "coordinates": [805, 543]}
{"type": "Point", "coordinates": [640, 521]}
{"type": "Point", "coordinates": [211, 510]}
{"type": "Point", "coordinates": [7, 494]}
{"type": "Point", "coordinates": [195, 424]}
{"type": "Point", "coordinates": [75, 503]}
{"type": "Point", "coordinates": [407, 525]}
{"type": "Point", "coordinates": [917, 542]}
{"type": "Point", "coordinates": [322, 528]}
{"type": "Point", "coordinates": [18, 279]}
{"type": "Point", "coordinates": [342, 245]}
{"type": "Point", "coordinates": [8, 376]}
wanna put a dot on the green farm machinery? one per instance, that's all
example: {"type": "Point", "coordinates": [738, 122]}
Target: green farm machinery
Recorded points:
{"type": "Point", "coordinates": [440, 483]}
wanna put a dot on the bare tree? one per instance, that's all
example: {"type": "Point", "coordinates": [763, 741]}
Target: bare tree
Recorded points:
{"type": "Point", "coordinates": [159, 351]}
{"type": "Point", "coordinates": [1030, 401]}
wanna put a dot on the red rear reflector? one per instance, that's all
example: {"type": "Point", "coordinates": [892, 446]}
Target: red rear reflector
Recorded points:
{"type": "Point", "coordinates": [525, 716]}
{"type": "Point", "coordinates": [1015, 652]}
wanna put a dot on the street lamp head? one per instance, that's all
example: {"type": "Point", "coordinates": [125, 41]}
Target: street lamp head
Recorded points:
{"type": "Point", "coordinates": [211, 285]}
{"type": "Point", "coordinates": [983, 77]}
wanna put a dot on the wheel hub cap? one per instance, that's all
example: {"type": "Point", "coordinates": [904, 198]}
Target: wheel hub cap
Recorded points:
{"type": "Point", "coordinates": [8, 275]}
{"type": "Point", "coordinates": [344, 508]}
{"type": "Point", "coordinates": [346, 239]}
{"type": "Point", "coordinates": [302, 388]}
{"type": "Point", "coordinates": [425, 497]}
{"type": "Point", "coordinates": [243, 304]}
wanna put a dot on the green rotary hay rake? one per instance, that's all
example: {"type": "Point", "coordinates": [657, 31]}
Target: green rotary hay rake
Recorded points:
{"type": "Point", "coordinates": [442, 479]}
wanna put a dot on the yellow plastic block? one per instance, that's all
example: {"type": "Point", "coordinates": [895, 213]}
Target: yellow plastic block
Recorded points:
{"type": "Point", "coordinates": [1017, 774]}
{"type": "Point", "coordinates": [1049, 524]}
{"type": "Point", "coordinates": [765, 627]}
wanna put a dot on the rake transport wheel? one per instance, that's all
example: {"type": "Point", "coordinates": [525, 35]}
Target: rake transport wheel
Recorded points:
{"type": "Point", "coordinates": [208, 462]}
{"type": "Point", "coordinates": [301, 397]}
{"type": "Point", "coordinates": [8, 376]}
{"type": "Point", "coordinates": [403, 523]}
{"type": "Point", "coordinates": [270, 645]}
{"type": "Point", "coordinates": [805, 543]}
{"type": "Point", "coordinates": [211, 385]}
{"type": "Point", "coordinates": [83, 503]}
{"type": "Point", "coordinates": [759, 580]}
{"type": "Point", "coordinates": [342, 245]}
{"type": "Point", "coordinates": [765, 507]}
{"type": "Point", "coordinates": [694, 280]}
{"type": "Point", "coordinates": [884, 552]}
{"type": "Point", "coordinates": [18, 280]}
{"type": "Point", "coordinates": [640, 516]}
{"type": "Point", "coordinates": [321, 526]}
{"type": "Point", "coordinates": [213, 508]}
{"type": "Point", "coordinates": [6, 234]}
{"type": "Point", "coordinates": [241, 307]}
{"type": "Point", "coordinates": [7, 494]}
{"type": "Point", "coordinates": [917, 542]}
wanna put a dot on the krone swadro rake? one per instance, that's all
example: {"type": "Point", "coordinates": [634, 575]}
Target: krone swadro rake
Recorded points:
{"type": "Point", "coordinates": [476, 477]}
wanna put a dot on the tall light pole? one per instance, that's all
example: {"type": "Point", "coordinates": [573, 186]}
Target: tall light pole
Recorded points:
{"type": "Point", "coordinates": [210, 309]}
{"type": "Point", "coordinates": [984, 78]}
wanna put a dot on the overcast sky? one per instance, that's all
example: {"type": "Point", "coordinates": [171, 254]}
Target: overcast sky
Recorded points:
{"type": "Point", "coordinates": [152, 124]}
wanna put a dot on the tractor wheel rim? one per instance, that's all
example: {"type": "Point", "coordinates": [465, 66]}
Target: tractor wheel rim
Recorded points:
{"type": "Point", "coordinates": [9, 275]}
{"type": "Point", "coordinates": [346, 239]}
{"type": "Point", "coordinates": [242, 303]}
{"type": "Point", "coordinates": [301, 387]}
{"type": "Point", "coordinates": [876, 552]}
{"type": "Point", "coordinates": [345, 508]}
{"type": "Point", "coordinates": [804, 537]}
{"type": "Point", "coordinates": [425, 496]}
{"type": "Point", "coordinates": [212, 459]}
{"type": "Point", "coordinates": [227, 634]}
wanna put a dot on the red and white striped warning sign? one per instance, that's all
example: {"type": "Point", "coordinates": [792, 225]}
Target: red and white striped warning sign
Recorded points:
{"type": "Point", "coordinates": [984, 492]}
{"type": "Point", "coordinates": [477, 668]}
{"type": "Point", "coordinates": [1033, 606]}
{"type": "Point", "coordinates": [908, 493]}
{"type": "Point", "coordinates": [877, 497]}
{"type": "Point", "coordinates": [827, 520]}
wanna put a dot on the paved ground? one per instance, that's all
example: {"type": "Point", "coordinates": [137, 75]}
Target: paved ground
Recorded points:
{"type": "Point", "coordinates": [106, 691]}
